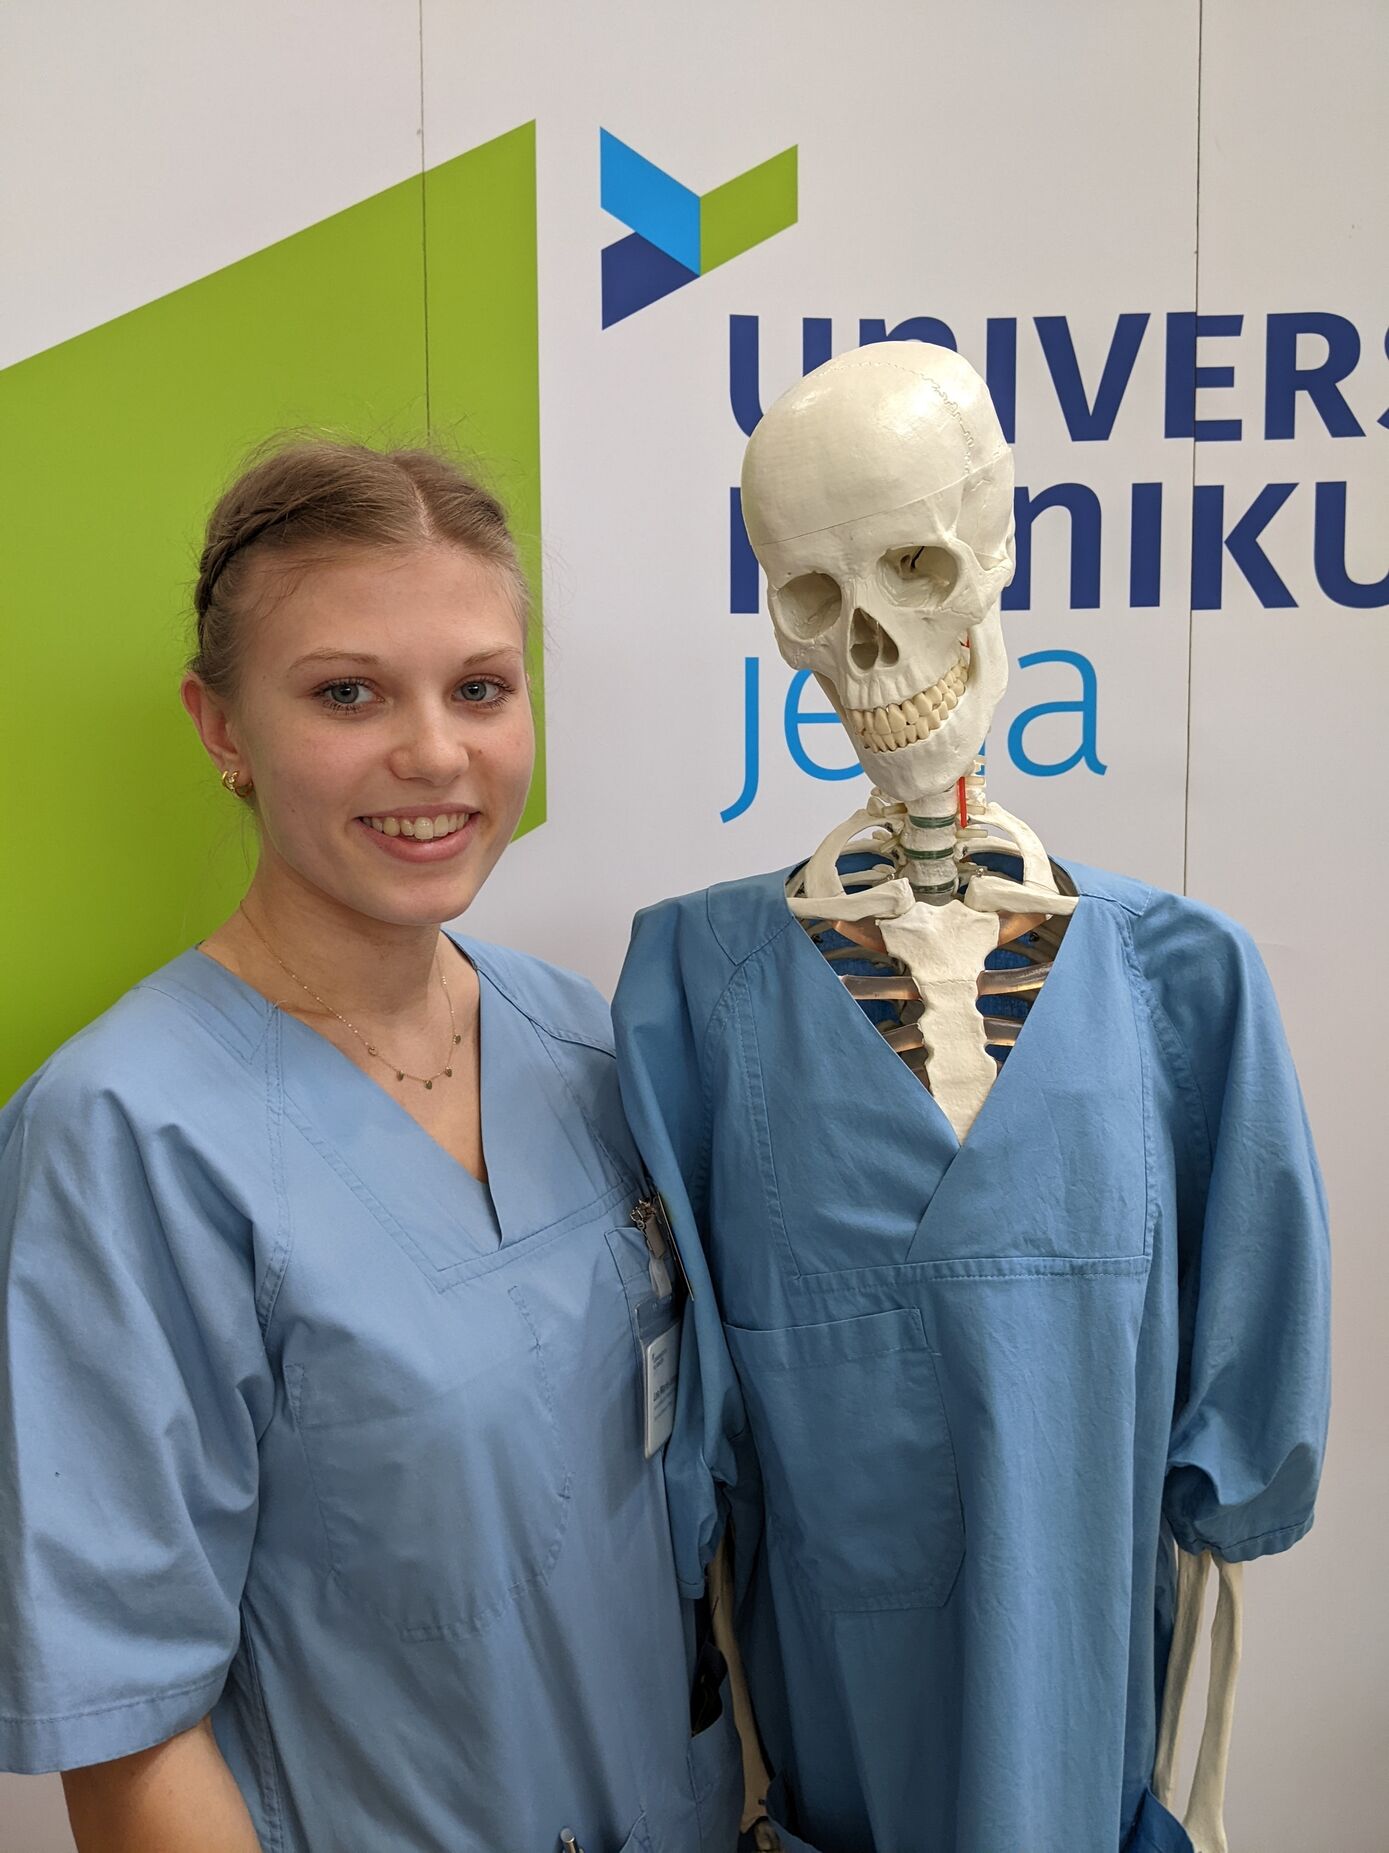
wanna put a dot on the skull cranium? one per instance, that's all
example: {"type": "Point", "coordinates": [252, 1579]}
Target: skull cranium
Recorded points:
{"type": "Point", "coordinates": [878, 497]}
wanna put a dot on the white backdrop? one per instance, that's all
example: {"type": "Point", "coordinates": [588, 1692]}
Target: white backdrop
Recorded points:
{"type": "Point", "coordinates": [1039, 179]}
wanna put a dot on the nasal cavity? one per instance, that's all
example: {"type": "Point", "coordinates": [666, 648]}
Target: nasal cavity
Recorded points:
{"type": "Point", "coordinates": [869, 644]}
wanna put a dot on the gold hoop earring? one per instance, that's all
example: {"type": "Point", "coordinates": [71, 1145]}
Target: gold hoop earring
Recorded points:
{"type": "Point", "coordinates": [232, 782]}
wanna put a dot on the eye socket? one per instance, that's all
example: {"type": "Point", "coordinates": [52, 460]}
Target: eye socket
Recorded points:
{"type": "Point", "coordinates": [807, 605]}
{"type": "Point", "coordinates": [922, 575]}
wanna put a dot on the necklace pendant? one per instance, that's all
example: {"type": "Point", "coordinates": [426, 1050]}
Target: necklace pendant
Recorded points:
{"type": "Point", "coordinates": [371, 1048]}
{"type": "Point", "coordinates": [458, 1039]}
{"type": "Point", "coordinates": [449, 1073]}
{"type": "Point", "coordinates": [400, 1074]}
{"type": "Point", "coordinates": [429, 1084]}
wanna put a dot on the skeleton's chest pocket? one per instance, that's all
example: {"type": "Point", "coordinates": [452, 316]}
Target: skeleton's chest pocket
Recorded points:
{"type": "Point", "coordinates": [863, 1501]}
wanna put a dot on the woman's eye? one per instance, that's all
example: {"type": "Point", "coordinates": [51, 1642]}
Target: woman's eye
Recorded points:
{"type": "Point", "coordinates": [349, 694]}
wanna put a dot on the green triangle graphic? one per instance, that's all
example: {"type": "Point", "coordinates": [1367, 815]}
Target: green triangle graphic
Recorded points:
{"type": "Point", "coordinates": [412, 312]}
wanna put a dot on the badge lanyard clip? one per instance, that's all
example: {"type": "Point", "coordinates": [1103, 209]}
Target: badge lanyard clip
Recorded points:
{"type": "Point", "coordinates": [649, 1215]}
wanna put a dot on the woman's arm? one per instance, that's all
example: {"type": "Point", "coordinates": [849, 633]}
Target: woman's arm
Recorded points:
{"type": "Point", "coordinates": [178, 1797]}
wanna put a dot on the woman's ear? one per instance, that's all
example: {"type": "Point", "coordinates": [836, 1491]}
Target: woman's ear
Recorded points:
{"type": "Point", "coordinates": [210, 716]}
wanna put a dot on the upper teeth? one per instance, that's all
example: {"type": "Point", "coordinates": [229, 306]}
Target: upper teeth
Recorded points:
{"type": "Point", "coordinates": [884, 730]}
{"type": "Point", "coordinates": [423, 829]}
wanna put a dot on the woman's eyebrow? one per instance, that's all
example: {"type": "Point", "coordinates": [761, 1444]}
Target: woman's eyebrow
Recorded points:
{"type": "Point", "coordinates": [334, 656]}
{"type": "Point", "coordinates": [487, 654]}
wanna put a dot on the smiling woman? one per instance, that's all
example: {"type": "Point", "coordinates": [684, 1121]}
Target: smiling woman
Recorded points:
{"type": "Point", "coordinates": [361, 638]}
{"type": "Point", "coordinates": [337, 1210]}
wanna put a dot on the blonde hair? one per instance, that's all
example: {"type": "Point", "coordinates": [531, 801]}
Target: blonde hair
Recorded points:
{"type": "Point", "coordinates": [312, 496]}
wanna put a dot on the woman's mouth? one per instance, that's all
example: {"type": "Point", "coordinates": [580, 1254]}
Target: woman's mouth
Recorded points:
{"type": "Point", "coordinates": [422, 829]}
{"type": "Point", "coordinates": [429, 836]}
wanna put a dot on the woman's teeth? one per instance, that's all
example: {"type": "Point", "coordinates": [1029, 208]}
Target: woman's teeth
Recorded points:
{"type": "Point", "coordinates": [423, 829]}
{"type": "Point", "coordinates": [885, 730]}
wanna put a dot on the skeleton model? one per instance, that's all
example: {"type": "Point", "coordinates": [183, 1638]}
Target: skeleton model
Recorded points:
{"type": "Point", "coordinates": [878, 497]}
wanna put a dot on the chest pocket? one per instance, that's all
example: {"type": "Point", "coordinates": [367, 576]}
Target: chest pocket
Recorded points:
{"type": "Point", "coordinates": [862, 1495]}
{"type": "Point", "coordinates": [443, 1492]}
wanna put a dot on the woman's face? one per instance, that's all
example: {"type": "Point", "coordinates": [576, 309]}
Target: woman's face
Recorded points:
{"type": "Point", "coordinates": [383, 715]}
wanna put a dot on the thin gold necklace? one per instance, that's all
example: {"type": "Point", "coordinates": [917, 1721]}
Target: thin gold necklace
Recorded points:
{"type": "Point", "coordinates": [401, 1074]}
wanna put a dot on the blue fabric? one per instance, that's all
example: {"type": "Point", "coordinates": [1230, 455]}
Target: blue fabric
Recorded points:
{"type": "Point", "coordinates": [959, 1399]}
{"type": "Point", "coordinates": [301, 1424]}
{"type": "Point", "coordinates": [1156, 1831]}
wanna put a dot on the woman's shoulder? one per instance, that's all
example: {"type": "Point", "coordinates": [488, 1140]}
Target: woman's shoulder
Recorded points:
{"type": "Point", "coordinates": [164, 1039]}
{"type": "Point", "coordinates": [562, 1003]}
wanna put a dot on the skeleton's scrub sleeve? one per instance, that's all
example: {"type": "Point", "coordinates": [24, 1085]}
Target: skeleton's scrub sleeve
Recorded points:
{"type": "Point", "coordinates": [1253, 1381]}
{"type": "Point", "coordinates": [667, 995]}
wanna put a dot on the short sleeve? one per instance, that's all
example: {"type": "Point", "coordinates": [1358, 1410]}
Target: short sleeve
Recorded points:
{"type": "Point", "coordinates": [661, 1013]}
{"type": "Point", "coordinates": [1253, 1385]}
{"type": "Point", "coordinates": [130, 1362]}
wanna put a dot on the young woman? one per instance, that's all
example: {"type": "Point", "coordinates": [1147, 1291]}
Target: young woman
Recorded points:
{"type": "Point", "coordinates": [328, 1516]}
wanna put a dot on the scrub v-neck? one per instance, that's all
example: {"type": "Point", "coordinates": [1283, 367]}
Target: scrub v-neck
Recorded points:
{"type": "Point", "coordinates": [401, 1146]}
{"type": "Point", "coordinates": [1021, 1060]}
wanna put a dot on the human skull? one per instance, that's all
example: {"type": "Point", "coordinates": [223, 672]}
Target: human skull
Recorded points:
{"type": "Point", "coordinates": [878, 497]}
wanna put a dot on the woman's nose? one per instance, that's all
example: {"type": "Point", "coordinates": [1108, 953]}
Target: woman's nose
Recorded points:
{"type": "Point", "coordinates": [432, 747]}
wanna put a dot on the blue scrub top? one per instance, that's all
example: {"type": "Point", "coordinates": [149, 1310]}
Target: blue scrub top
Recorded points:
{"type": "Point", "coordinates": [961, 1398]}
{"type": "Point", "coordinates": [302, 1425]}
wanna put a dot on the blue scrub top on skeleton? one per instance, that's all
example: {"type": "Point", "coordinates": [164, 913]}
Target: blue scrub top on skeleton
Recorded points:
{"type": "Point", "coordinates": [960, 1398]}
{"type": "Point", "coordinates": [302, 1425]}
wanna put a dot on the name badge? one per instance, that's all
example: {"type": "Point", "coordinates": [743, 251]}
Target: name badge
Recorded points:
{"type": "Point", "coordinates": [658, 1323]}
{"type": "Point", "coordinates": [660, 1368]}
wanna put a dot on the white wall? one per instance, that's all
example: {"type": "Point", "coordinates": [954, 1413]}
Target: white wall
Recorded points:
{"type": "Point", "coordinates": [989, 162]}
